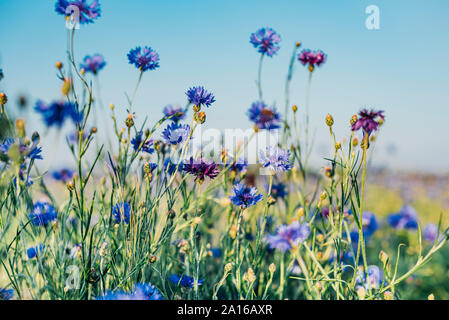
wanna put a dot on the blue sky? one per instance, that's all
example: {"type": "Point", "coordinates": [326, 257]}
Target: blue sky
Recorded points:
{"type": "Point", "coordinates": [402, 68]}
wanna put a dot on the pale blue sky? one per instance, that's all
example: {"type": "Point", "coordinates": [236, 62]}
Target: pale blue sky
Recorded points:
{"type": "Point", "coordinates": [402, 68]}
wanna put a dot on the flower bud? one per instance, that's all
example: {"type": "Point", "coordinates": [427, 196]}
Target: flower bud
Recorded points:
{"type": "Point", "coordinates": [66, 86]}
{"type": "Point", "coordinates": [228, 267]}
{"type": "Point", "coordinates": [200, 117]}
{"type": "Point", "coordinates": [323, 195]}
{"type": "Point", "coordinates": [20, 125]}
{"type": "Point", "coordinates": [295, 108]}
{"type": "Point", "coordinates": [272, 268]}
{"type": "Point", "coordinates": [338, 145]}
{"type": "Point", "coordinates": [256, 128]}
{"type": "Point", "coordinates": [3, 98]}
{"type": "Point", "coordinates": [249, 276]}
{"type": "Point", "coordinates": [388, 295]}
{"type": "Point", "coordinates": [298, 44]}
{"type": "Point", "coordinates": [59, 65]}
{"type": "Point", "coordinates": [431, 297]}
{"type": "Point", "coordinates": [311, 68]}
{"type": "Point", "coordinates": [196, 108]}
{"type": "Point", "coordinates": [329, 120]}
{"type": "Point", "coordinates": [355, 142]}
{"type": "Point", "coordinates": [129, 121]}
{"type": "Point", "coordinates": [93, 130]}
{"type": "Point", "coordinates": [353, 119]}
{"type": "Point", "coordinates": [112, 106]}
{"type": "Point", "coordinates": [383, 257]}
{"type": "Point", "coordinates": [153, 259]}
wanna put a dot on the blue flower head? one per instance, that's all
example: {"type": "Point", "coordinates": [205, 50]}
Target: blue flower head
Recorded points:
{"type": "Point", "coordinates": [87, 13]}
{"type": "Point", "coordinates": [278, 190]}
{"type": "Point", "coordinates": [93, 64]}
{"type": "Point", "coordinates": [199, 96]}
{"type": "Point", "coordinates": [263, 116]}
{"type": "Point", "coordinates": [176, 113]}
{"type": "Point", "coordinates": [406, 218]}
{"type": "Point", "coordinates": [145, 146]}
{"type": "Point", "coordinates": [142, 291]}
{"type": "Point", "coordinates": [6, 294]}
{"type": "Point", "coordinates": [170, 166]}
{"type": "Point", "coordinates": [43, 213]}
{"type": "Point", "coordinates": [34, 251]}
{"type": "Point", "coordinates": [287, 237]}
{"type": "Point", "coordinates": [245, 196]}
{"type": "Point", "coordinates": [176, 133]}
{"type": "Point", "coordinates": [121, 212]}
{"type": "Point", "coordinates": [63, 175]}
{"type": "Point", "coordinates": [266, 40]}
{"type": "Point", "coordinates": [371, 280]}
{"type": "Point", "coordinates": [56, 113]}
{"type": "Point", "coordinates": [146, 59]}
{"type": "Point", "coordinates": [184, 281]}
{"type": "Point", "coordinates": [275, 159]}
{"type": "Point", "coordinates": [239, 165]}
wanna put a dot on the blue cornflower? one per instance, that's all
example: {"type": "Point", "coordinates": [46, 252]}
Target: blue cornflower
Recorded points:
{"type": "Point", "coordinates": [430, 232]}
{"type": "Point", "coordinates": [406, 218]}
{"type": "Point", "coordinates": [6, 294]}
{"type": "Point", "coordinates": [87, 12]}
{"type": "Point", "coordinates": [121, 212]}
{"type": "Point", "coordinates": [288, 237]}
{"type": "Point", "coordinates": [57, 112]}
{"type": "Point", "coordinates": [5, 145]}
{"type": "Point", "coordinates": [146, 59]}
{"type": "Point", "coordinates": [275, 159]}
{"type": "Point", "coordinates": [64, 175]}
{"type": "Point", "coordinates": [170, 166]}
{"type": "Point", "coordinates": [32, 152]}
{"type": "Point", "coordinates": [73, 137]}
{"type": "Point", "coordinates": [176, 133]}
{"type": "Point", "coordinates": [371, 280]}
{"type": "Point", "coordinates": [93, 63]}
{"type": "Point", "coordinates": [152, 166]}
{"type": "Point", "coordinates": [245, 196]}
{"type": "Point", "coordinates": [34, 251]}
{"type": "Point", "coordinates": [176, 113]}
{"type": "Point", "coordinates": [266, 40]}
{"type": "Point", "coordinates": [215, 252]}
{"type": "Point", "coordinates": [263, 116]}
{"type": "Point", "coordinates": [142, 291]}
{"type": "Point", "coordinates": [278, 190]}
{"type": "Point", "coordinates": [239, 165]}
{"type": "Point", "coordinates": [184, 281]}
{"type": "Point", "coordinates": [138, 142]}
{"type": "Point", "coordinates": [43, 213]}
{"type": "Point", "coordinates": [199, 96]}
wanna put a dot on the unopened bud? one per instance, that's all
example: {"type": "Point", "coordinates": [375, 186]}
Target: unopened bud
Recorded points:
{"type": "Point", "coordinates": [200, 117]}
{"type": "Point", "coordinates": [295, 108]}
{"type": "Point", "coordinates": [129, 121]}
{"type": "Point", "coordinates": [329, 120]}
{"type": "Point", "coordinates": [272, 268]}
{"type": "Point", "coordinates": [59, 65]}
{"type": "Point", "coordinates": [355, 142]}
{"type": "Point", "coordinates": [353, 119]}
{"type": "Point", "coordinates": [3, 98]}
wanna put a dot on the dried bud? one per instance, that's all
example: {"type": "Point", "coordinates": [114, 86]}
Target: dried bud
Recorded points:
{"type": "Point", "coordinates": [311, 68]}
{"type": "Point", "coordinates": [271, 200]}
{"type": "Point", "coordinates": [355, 142]}
{"type": "Point", "coordinates": [93, 130]}
{"type": "Point", "coordinates": [228, 267]}
{"type": "Point", "coordinates": [353, 119]}
{"type": "Point", "coordinates": [272, 268]}
{"type": "Point", "coordinates": [129, 121]}
{"type": "Point", "coordinates": [329, 120]}
{"type": "Point", "coordinates": [153, 259]}
{"type": "Point", "coordinates": [200, 117]}
{"type": "Point", "coordinates": [388, 295]}
{"type": "Point", "coordinates": [196, 108]}
{"type": "Point", "coordinates": [383, 257]}
{"type": "Point", "coordinates": [249, 276]}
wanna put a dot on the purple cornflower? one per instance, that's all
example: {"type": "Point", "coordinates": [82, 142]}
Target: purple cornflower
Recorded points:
{"type": "Point", "coordinates": [199, 96]}
{"type": "Point", "coordinates": [145, 146]}
{"type": "Point", "coordinates": [406, 218]}
{"type": "Point", "coordinates": [373, 278]}
{"type": "Point", "coordinates": [245, 196]}
{"type": "Point", "coordinates": [146, 59]}
{"type": "Point", "coordinates": [239, 165]}
{"type": "Point", "coordinates": [34, 251]}
{"type": "Point", "coordinates": [73, 137]}
{"type": "Point", "coordinates": [176, 113]}
{"type": "Point", "coordinates": [275, 159]}
{"type": "Point", "coordinates": [64, 175]}
{"type": "Point", "coordinates": [142, 291]}
{"type": "Point", "coordinates": [367, 120]}
{"type": "Point", "coordinates": [93, 63]}
{"type": "Point", "coordinates": [87, 12]}
{"type": "Point", "coordinates": [43, 213]}
{"type": "Point", "coordinates": [121, 212]}
{"type": "Point", "coordinates": [201, 169]}
{"type": "Point", "coordinates": [57, 112]}
{"type": "Point", "coordinates": [263, 116]}
{"type": "Point", "coordinates": [266, 40]}
{"type": "Point", "coordinates": [312, 58]}
{"type": "Point", "coordinates": [176, 133]}
{"type": "Point", "coordinates": [430, 232]}
{"type": "Point", "coordinates": [288, 237]}
{"type": "Point", "coordinates": [278, 190]}
{"type": "Point", "coordinates": [6, 294]}
{"type": "Point", "coordinates": [184, 281]}
{"type": "Point", "coordinates": [32, 152]}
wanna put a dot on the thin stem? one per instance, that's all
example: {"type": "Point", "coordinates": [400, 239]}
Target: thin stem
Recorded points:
{"type": "Point", "coordinates": [259, 77]}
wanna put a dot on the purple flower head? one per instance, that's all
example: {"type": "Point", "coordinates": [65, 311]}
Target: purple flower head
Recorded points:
{"type": "Point", "coordinates": [93, 63]}
{"type": "Point", "coordinates": [373, 278]}
{"type": "Point", "coordinates": [239, 165]}
{"type": "Point", "coordinates": [201, 169]}
{"type": "Point", "coordinates": [73, 137]}
{"type": "Point", "coordinates": [430, 232]}
{"type": "Point", "coordinates": [176, 113]}
{"type": "Point", "coordinates": [184, 281]}
{"type": "Point", "coordinates": [87, 12]}
{"type": "Point", "coordinates": [275, 159]}
{"type": "Point", "coordinates": [368, 121]}
{"type": "Point", "coordinates": [406, 218]}
{"type": "Point", "coordinates": [57, 112]}
{"type": "Point", "coordinates": [176, 133]}
{"type": "Point", "coordinates": [288, 237]}
{"type": "Point", "coordinates": [121, 212]}
{"type": "Point", "coordinates": [278, 190]}
{"type": "Point", "coordinates": [43, 213]}
{"type": "Point", "coordinates": [6, 294]}
{"type": "Point", "coordinates": [199, 96]}
{"type": "Point", "coordinates": [32, 152]}
{"type": "Point", "coordinates": [146, 59]}
{"type": "Point", "coordinates": [266, 40]}
{"type": "Point", "coordinates": [64, 175]}
{"type": "Point", "coordinates": [34, 251]}
{"type": "Point", "coordinates": [263, 116]}
{"type": "Point", "coordinates": [312, 58]}
{"type": "Point", "coordinates": [140, 145]}
{"type": "Point", "coordinates": [245, 196]}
